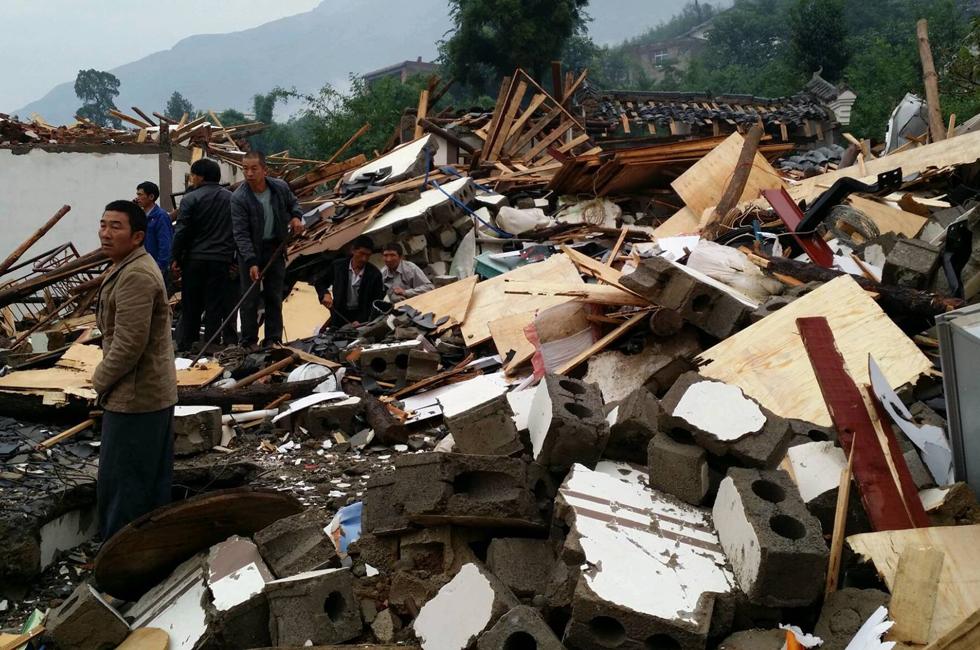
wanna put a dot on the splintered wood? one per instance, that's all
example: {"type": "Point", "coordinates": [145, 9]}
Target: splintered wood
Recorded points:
{"type": "Point", "coordinates": [452, 300]}
{"type": "Point", "coordinates": [768, 361]}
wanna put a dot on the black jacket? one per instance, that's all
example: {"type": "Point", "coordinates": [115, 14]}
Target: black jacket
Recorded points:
{"type": "Point", "coordinates": [372, 288]}
{"type": "Point", "coordinates": [203, 231]}
{"type": "Point", "coordinates": [247, 217]}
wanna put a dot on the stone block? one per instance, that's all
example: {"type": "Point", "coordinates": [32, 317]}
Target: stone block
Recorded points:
{"type": "Point", "coordinates": [196, 429]}
{"type": "Point", "coordinates": [678, 467]}
{"type": "Point", "coordinates": [321, 420]}
{"type": "Point", "coordinates": [775, 545]}
{"type": "Point", "coordinates": [466, 607]}
{"type": "Point", "coordinates": [438, 549]}
{"type": "Point", "coordinates": [317, 606]}
{"type": "Point", "coordinates": [524, 565]}
{"type": "Point", "coordinates": [521, 627]}
{"type": "Point", "coordinates": [844, 612]}
{"type": "Point", "coordinates": [911, 264]}
{"type": "Point", "coordinates": [432, 489]}
{"type": "Point", "coordinates": [386, 361]}
{"type": "Point", "coordinates": [755, 640]}
{"type": "Point", "coordinates": [386, 625]}
{"type": "Point", "coordinates": [486, 429]}
{"type": "Point", "coordinates": [632, 425]}
{"type": "Point", "coordinates": [421, 364]}
{"type": "Point", "coordinates": [566, 423]}
{"type": "Point", "coordinates": [297, 544]}
{"type": "Point", "coordinates": [85, 621]}
{"type": "Point", "coordinates": [410, 590]}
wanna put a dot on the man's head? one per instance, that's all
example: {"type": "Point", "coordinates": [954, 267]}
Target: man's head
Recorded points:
{"type": "Point", "coordinates": [254, 169]}
{"type": "Point", "coordinates": [121, 229]}
{"type": "Point", "coordinates": [392, 255]}
{"type": "Point", "coordinates": [360, 251]}
{"type": "Point", "coordinates": [203, 171]}
{"type": "Point", "coordinates": [147, 194]}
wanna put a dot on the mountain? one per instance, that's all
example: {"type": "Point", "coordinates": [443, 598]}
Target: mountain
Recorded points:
{"type": "Point", "coordinates": [307, 50]}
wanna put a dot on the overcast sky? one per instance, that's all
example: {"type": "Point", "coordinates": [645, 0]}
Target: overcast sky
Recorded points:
{"type": "Point", "coordinates": [46, 42]}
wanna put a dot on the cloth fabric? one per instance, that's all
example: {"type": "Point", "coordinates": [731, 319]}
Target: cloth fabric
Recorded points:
{"type": "Point", "coordinates": [136, 464]}
{"type": "Point", "coordinates": [338, 280]}
{"type": "Point", "coordinates": [159, 236]}
{"type": "Point", "coordinates": [205, 285]}
{"type": "Point", "coordinates": [268, 225]}
{"type": "Point", "coordinates": [137, 372]}
{"type": "Point", "coordinates": [248, 218]}
{"type": "Point", "coordinates": [203, 231]}
{"type": "Point", "coordinates": [408, 276]}
{"type": "Point", "coordinates": [269, 293]}
{"type": "Point", "coordinates": [355, 285]}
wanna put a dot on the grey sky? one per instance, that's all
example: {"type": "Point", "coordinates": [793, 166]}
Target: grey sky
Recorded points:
{"type": "Point", "coordinates": [46, 42]}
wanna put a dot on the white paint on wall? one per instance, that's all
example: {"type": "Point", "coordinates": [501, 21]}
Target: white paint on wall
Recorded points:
{"type": "Point", "coordinates": [459, 613]}
{"type": "Point", "coordinates": [738, 537]}
{"type": "Point", "coordinates": [816, 467]}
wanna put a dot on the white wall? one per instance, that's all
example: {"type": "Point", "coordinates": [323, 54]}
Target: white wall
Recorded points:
{"type": "Point", "coordinates": [34, 185]}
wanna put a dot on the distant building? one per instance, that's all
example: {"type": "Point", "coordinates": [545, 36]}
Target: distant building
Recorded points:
{"type": "Point", "coordinates": [674, 53]}
{"type": "Point", "coordinates": [402, 71]}
{"type": "Point", "coordinates": [840, 99]}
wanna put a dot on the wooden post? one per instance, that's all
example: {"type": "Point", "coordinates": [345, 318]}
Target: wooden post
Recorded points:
{"type": "Point", "coordinates": [265, 372]}
{"type": "Point", "coordinates": [740, 176]}
{"type": "Point", "coordinates": [68, 433]}
{"type": "Point", "coordinates": [557, 87]}
{"type": "Point", "coordinates": [422, 113]}
{"type": "Point", "coordinates": [931, 80]}
{"type": "Point", "coordinates": [361, 131]}
{"type": "Point", "coordinates": [30, 241]}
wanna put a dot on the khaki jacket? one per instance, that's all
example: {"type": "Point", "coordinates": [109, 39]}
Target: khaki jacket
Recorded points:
{"type": "Point", "coordinates": [137, 372]}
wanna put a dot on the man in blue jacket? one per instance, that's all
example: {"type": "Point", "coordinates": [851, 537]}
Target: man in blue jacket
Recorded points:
{"type": "Point", "coordinates": [264, 212]}
{"type": "Point", "coordinates": [159, 230]}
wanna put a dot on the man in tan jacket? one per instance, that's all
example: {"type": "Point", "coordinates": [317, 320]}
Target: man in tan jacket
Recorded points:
{"type": "Point", "coordinates": [136, 381]}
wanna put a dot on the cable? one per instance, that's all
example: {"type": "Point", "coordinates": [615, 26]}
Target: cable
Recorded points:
{"type": "Point", "coordinates": [426, 181]}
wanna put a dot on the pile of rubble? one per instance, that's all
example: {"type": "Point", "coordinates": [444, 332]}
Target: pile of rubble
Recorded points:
{"type": "Point", "coordinates": [662, 397]}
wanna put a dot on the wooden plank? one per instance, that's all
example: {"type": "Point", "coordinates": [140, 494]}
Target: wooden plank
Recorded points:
{"type": "Point", "coordinates": [683, 222]}
{"type": "Point", "coordinates": [145, 638]}
{"type": "Point", "coordinates": [547, 139]}
{"type": "Point", "coordinates": [601, 344]}
{"type": "Point", "coordinates": [887, 218]}
{"type": "Point", "coordinates": [703, 184]}
{"type": "Point", "coordinates": [598, 270]}
{"type": "Point", "coordinates": [302, 313]}
{"type": "Point", "coordinates": [498, 110]}
{"type": "Point", "coordinates": [840, 524]}
{"type": "Point", "coordinates": [423, 112]}
{"type": "Point", "coordinates": [490, 302]}
{"type": "Point", "coordinates": [958, 590]}
{"type": "Point", "coordinates": [768, 360]}
{"type": "Point", "coordinates": [965, 636]}
{"type": "Point", "coordinates": [508, 335]}
{"type": "Point", "coordinates": [597, 294]}
{"type": "Point", "coordinates": [513, 104]}
{"type": "Point", "coordinates": [914, 594]}
{"type": "Point", "coordinates": [519, 123]}
{"type": "Point", "coordinates": [452, 300]}
{"type": "Point", "coordinates": [200, 375]}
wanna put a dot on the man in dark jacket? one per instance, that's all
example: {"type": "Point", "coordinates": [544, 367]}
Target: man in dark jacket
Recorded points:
{"type": "Point", "coordinates": [352, 286]}
{"type": "Point", "coordinates": [264, 211]}
{"type": "Point", "coordinates": [203, 250]}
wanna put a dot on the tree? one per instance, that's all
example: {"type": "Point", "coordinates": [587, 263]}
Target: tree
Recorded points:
{"type": "Point", "coordinates": [231, 117]}
{"type": "Point", "coordinates": [97, 89]}
{"type": "Point", "coordinates": [818, 38]}
{"type": "Point", "coordinates": [491, 38]}
{"type": "Point", "coordinates": [177, 105]}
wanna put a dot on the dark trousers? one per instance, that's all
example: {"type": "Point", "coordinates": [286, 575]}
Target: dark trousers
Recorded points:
{"type": "Point", "coordinates": [204, 284]}
{"type": "Point", "coordinates": [269, 293]}
{"type": "Point", "coordinates": [136, 465]}
{"type": "Point", "coordinates": [231, 293]}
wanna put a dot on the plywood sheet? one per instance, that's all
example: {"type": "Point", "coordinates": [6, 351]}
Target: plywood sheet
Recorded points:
{"type": "Point", "coordinates": [200, 375]}
{"type": "Point", "coordinates": [768, 360]}
{"type": "Point", "coordinates": [508, 334]}
{"type": "Point", "coordinates": [958, 593]}
{"type": "Point", "coordinates": [302, 313]}
{"type": "Point", "coordinates": [452, 300]}
{"type": "Point", "coordinates": [491, 303]}
{"type": "Point", "coordinates": [72, 375]}
{"type": "Point", "coordinates": [887, 218]}
{"type": "Point", "coordinates": [703, 184]}
{"type": "Point", "coordinates": [684, 222]}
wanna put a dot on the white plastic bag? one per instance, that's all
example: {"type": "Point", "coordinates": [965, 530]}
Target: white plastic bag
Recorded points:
{"type": "Point", "coordinates": [732, 267]}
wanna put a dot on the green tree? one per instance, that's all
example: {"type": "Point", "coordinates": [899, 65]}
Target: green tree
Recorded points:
{"type": "Point", "coordinates": [491, 38]}
{"type": "Point", "coordinates": [97, 89]}
{"type": "Point", "coordinates": [818, 37]}
{"type": "Point", "coordinates": [231, 117]}
{"type": "Point", "coordinates": [177, 105]}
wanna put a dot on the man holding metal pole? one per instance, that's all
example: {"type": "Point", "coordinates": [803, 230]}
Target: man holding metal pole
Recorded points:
{"type": "Point", "coordinates": [264, 211]}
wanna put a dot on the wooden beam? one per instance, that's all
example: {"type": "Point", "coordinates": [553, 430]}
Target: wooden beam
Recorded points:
{"type": "Point", "coordinates": [931, 81]}
{"type": "Point", "coordinates": [914, 594]}
{"type": "Point", "coordinates": [423, 112]}
{"type": "Point", "coordinates": [965, 636]}
{"type": "Point", "coordinates": [361, 131]}
{"type": "Point", "coordinates": [840, 525]}
{"type": "Point", "coordinates": [126, 118]}
{"type": "Point", "coordinates": [30, 241]}
{"type": "Point", "coordinates": [147, 118]}
{"type": "Point", "coordinates": [64, 435]}
{"type": "Point", "coordinates": [740, 177]}
{"type": "Point", "coordinates": [601, 344]}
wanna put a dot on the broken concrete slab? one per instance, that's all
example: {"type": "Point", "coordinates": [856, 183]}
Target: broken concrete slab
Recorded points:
{"type": "Point", "coordinates": [678, 467]}
{"type": "Point", "coordinates": [843, 614]}
{"type": "Point", "coordinates": [775, 545]}
{"type": "Point", "coordinates": [523, 564]}
{"type": "Point", "coordinates": [196, 429]}
{"type": "Point", "coordinates": [421, 364]}
{"type": "Point", "coordinates": [816, 470]}
{"type": "Point", "coordinates": [487, 429]}
{"type": "Point", "coordinates": [657, 366]}
{"type": "Point", "coordinates": [755, 640]}
{"type": "Point", "coordinates": [463, 610]}
{"type": "Point", "coordinates": [239, 610]}
{"type": "Point", "coordinates": [438, 549]}
{"type": "Point", "coordinates": [176, 605]}
{"type": "Point", "coordinates": [632, 425]}
{"type": "Point", "coordinates": [85, 621]}
{"type": "Point", "coordinates": [321, 420]}
{"type": "Point", "coordinates": [297, 544]}
{"type": "Point", "coordinates": [566, 424]}
{"type": "Point", "coordinates": [521, 627]}
{"type": "Point", "coordinates": [386, 625]}
{"type": "Point", "coordinates": [387, 361]}
{"type": "Point", "coordinates": [625, 529]}
{"type": "Point", "coordinates": [317, 606]}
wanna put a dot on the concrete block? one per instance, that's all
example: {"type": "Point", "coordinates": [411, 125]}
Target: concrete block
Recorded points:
{"type": "Point", "coordinates": [297, 544]}
{"type": "Point", "coordinates": [385, 625]}
{"type": "Point", "coordinates": [775, 545]}
{"type": "Point", "coordinates": [470, 604]}
{"type": "Point", "coordinates": [911, 264]}
{"type": "Point", "coordinates": [522, 564]}
{"type": "Point", "coordinates": [566, 423]}
{"type": "Point", "coordinates": [521, 627]}
{"type": "Point", "coordinates": [486, 429]}
{"type": "Point", "coordinates": [85, 621]}
{"type": "Point", "coordinates": [196, 429]}
{"type": "Point", "coordinates": [656, 367]}
{"type": "Point", "coordinates": [386, 361]}
{"type": "Point", "coordinates": [421, 364]}
{"type": "Point", "coordinates": [624, 529]}
{"type": "Point", "coordinates": [409, 591]}
{"type": "Point", "coordinates": [379, 552]}
{"type": "Point", "coordinates": [678, 467]}
{"type": "Point", "coordinates": [236, 576]}
{"type": "Point", "coordinates": [317, 606]}
{"type": "Point", "coordinates": [432, 489]}
{"type": "Point", "coordinates": [844, 612]}
{"type": "Point", "coordinates": [804, 432]}
{"type": "Point", "coordinates": [632, 425]}
{"type": "Point", "coordinates": [321, 420]}
{"type": "Point", "coordinates": [755, 640]}
{"type": "Point", "coordinates": [177, 605]}
{"type": "Point", "coordinates": [438, 549]}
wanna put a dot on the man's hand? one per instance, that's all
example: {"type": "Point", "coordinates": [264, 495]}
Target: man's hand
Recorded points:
{"type": "Point", "coordinates": [327, 300]}
{"type": "Point", "coordinates": [253, 273]}
{"type": "Point", "coordinates": [297, 225]}
{"type": "Point", "coordinates": [174, 267]}
{"type": "Point", "coordinates": [398, 291]}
